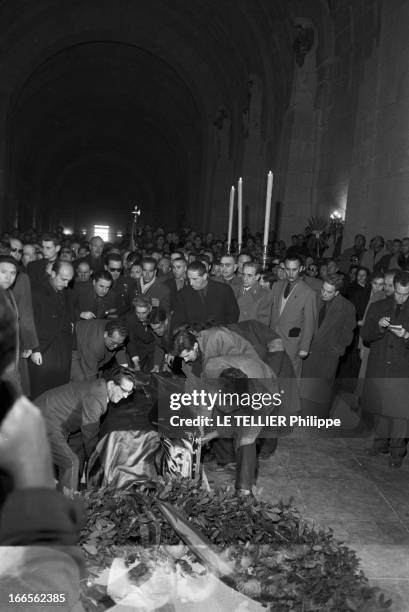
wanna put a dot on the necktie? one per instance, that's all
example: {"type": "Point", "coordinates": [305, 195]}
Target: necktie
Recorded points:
{"type": "Point", "coordinates": [397, 309]}
{"type": "Point", "coordinates": [321, 314]}
{"type": "Point", "coordinates": [287, 290]}
{"type": "Point", "coordinates": [202, 295]}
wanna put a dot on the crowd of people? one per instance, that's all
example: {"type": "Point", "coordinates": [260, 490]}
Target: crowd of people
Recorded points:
{"type": "Point", "coordinates": [92, 315]}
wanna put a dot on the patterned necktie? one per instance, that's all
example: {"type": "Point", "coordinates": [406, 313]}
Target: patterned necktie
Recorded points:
{"type": "Point", "coordinates": [287, 290]}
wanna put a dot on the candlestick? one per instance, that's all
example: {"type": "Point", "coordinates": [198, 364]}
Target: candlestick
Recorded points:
{"type": "Point", "coordinates": [135, 213]}
{"type": "Point", "coordinates": [268, 208]}
{"type": "Point", "coordinates": [240, 214]}
{"type": "Point", "coordinates": [230, 226]}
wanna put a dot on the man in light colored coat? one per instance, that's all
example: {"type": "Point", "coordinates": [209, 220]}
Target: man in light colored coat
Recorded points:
{"type": "Point", "coordinates": [294, 313]}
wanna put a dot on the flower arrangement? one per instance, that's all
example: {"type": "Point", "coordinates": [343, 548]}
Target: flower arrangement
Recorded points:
{"type": "Point", "coordinates": [276, 558]}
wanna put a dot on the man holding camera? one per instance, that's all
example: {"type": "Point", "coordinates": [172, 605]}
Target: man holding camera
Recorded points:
{"type": "Point", "coordinates": [386, 387]}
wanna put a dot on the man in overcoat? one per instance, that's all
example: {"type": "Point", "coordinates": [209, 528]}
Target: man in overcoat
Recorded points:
{"type": "Point", "coordinates": [333, 334]}
{"type": "Point", "coordinates": [206, 302]}
{"type": "Point", "coordinates": [294, 313]}
{"type": "Point", "coordinates": [386, 387]}
{"type": "Point", "coordinates": [53, 316]}
{"type": "Point", "coordinates": [97, 342]}
{"type": "Point", "coordinates": [254, 301]}
{"type": "Point", "coordinates": [74, 411]}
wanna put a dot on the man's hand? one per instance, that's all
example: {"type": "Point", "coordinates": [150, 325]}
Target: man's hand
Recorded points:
{"type": "Point", "coordinates": [210, 436]}
{"type": "Point", "coordinates": [400, 332]}
{"type": "Point", "coordinates": [303, 354]}
{"type": "Point", "coordinates": [136, 363]}
{"type": "Point", "coordinates": [87, 315]}
{"type": "Point", "coordinates": [384, 322]}
{"type": "Point", "coordinates": [24, 450]}
{"type": "Point", "coordinates": [275, 346]}
{"type": "Point", "coordinates": [37, 358]}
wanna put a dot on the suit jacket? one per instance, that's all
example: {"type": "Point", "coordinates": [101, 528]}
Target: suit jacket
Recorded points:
{"type": "Point", "coordinates": [314, 283]}
{"type": "Point", "coordinates": [222, 348]}
{"type": "Point", "coordinates": [331, 339]}
{"type": "Point", "coordinates": [255, 303]}
{"type": "Point", "coordinates": [121, 292]}
{"type": "Point", "coordinates": [297, 321]}
{"type": "Point", "coordinates": [219, 306]}
{"type": "Point", "coordinates": [84, 299]}
{"type": "Point", "coordinates": [157, 291]}
{"type": "Point", "coordinates": [36, 270]}
{"type": "Point", "coordinates": [22, 294]}
{"type": "Point", "coordinates": [141, 342]}
{"type": "Point", "coordinates": [53, 316]}
{"type": "Point", "coordinates": [235, 283]}
{"type": "Point", "coordinates": [171, 284]}
{"type": "Point", "coordinates": [97, 264]}
{"type": "Point", "coordinates": [75, 407]}
{"type": "Point", "coordinates": [93, 354]}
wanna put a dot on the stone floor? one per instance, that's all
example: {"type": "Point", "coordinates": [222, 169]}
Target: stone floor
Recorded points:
{"type": "Point", "coordinates": [336, 485]}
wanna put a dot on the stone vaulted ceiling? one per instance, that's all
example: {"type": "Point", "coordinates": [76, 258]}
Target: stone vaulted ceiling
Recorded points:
{"type": "Point", "coordinates": [114, 102]}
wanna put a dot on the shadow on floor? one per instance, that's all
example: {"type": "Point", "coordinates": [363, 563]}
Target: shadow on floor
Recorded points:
{"type": "Point", "coordinates": [334, 484]}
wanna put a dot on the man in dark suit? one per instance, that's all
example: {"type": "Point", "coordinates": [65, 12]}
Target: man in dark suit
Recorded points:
{"type": "Point", "coordinates": [96, 344]}
{"type": "Point", "coordinates": [294, 312]}
{"type": "Point", "coordinates": [94, 299]}
{"type": "Point", "coordinates": [228, 266]}
{"type": "Point", "coordinates": [386, 386]}
{"type": "Point", "coordinates": [206, 302]}
{"type": "Point", "coordinates": [76, 408]}
{"type": "Point", "coordinates": [37, 270]}
{"type": "Point", "coordinates": [50, 361]}
{"type": "Point", "coordinates": [334, 332]}
{"type": "Point", "coordinates": [141, 344]}
{"type": "Point", "coordinates": [95, 258]}
{"type": "Point", "coordinates": [178, 280]}
{"type": "Point", "coordinates": [150, 287]}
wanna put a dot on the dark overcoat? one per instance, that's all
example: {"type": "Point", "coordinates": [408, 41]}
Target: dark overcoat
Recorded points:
{"type": "Point", "coordinates": [329, 343]}
{"type": "Point", "coordinates": [386, 386]}
{"type": "Point", "coordinates": [219, 306]}
{"type": "Point", "coordinates": [53, 317]}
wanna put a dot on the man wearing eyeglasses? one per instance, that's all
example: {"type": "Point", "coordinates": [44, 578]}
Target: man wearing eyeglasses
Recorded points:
{"type": "Point", "coordinates": [72, 416]}
{"type": "Point", "coordinates": [120, 290]}
{"type": "Point", "coordinates": [16, 249]}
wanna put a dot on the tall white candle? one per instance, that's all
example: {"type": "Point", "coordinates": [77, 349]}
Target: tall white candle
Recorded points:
{"type": "Point", "coordinates": [240, 211]}
{"type": "Point", "coordinates": [230, 227]}
{"type": "Point", "coordinates": [268, 208]}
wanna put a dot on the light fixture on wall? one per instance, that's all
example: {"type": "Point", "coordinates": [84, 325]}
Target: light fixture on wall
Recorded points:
{"type": "Point", "coordinates": [67, 232]}
{"type": "Point", "coordinates": [337, 214]}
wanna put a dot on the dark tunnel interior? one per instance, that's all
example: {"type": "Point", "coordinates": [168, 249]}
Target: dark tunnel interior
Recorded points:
{"type": "Point", "coordinates": [101, 126]}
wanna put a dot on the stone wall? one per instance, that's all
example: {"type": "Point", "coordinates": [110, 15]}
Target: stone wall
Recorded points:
{"type": "Point", "coordinates": [232, 99]}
